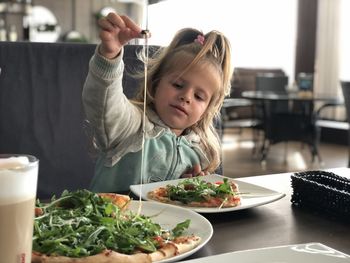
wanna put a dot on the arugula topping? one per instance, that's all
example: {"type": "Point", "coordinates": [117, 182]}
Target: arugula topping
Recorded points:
{"type": "Point", "coordinates": [82, 223]}
{"type": "Point", "coordinates": [197, 190]}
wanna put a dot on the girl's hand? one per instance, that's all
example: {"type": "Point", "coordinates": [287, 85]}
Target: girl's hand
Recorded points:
{"type": "Point", "coordinates": [115, 31]}
{"type": "Point", "coordinates": [195, 171]}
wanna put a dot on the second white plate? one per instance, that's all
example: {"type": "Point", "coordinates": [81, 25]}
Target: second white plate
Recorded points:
{"type": "Point", "coordinates": [252, 195]}
{"type": "Point", "coordinates": [301, 253]}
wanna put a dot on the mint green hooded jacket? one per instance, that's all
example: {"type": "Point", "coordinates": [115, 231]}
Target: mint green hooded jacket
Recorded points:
{"type": "Point", "coordinates": [117, 126]}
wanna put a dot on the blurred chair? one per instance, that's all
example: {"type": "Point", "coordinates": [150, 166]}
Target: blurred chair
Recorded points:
{"type": "Point", "coordinates": [232, 117]}
{"type": "Point", "coordinates": [345, 85]}
{"type": "Point", "coordinates": [230, 113]}
{"type": "Point", "coordinates": [41, 111]}
{"type": "Point", "coordinates": [244, 79]}
{"type": "Point", "coordinates": [272, 113]}
{"type": "Point", "coordinates": [338, 124]}
{"type": "Point", "coordinates": [271, 82]}
{"type": "Point", "coordinates": [285, 120]}
{"type": "Point", "coordinates": [322, 122]}
{"type": "Point", "coordinates": [241, 113]}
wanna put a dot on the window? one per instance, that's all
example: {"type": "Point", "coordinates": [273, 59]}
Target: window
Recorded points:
{"type": "Point", "coordinates": [344, 41]}
{"type": "Point", "coordinates": [262, 33]}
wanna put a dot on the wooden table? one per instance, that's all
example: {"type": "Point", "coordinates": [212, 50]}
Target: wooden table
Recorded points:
{"type": "Point", "coordinates": [275, 224]}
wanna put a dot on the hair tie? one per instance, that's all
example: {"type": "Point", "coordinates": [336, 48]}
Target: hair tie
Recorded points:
{"type": "Point", "coordinates": [200, 39]}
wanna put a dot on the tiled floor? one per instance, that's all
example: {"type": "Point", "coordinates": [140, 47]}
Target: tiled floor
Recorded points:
{"type": "Point", "coordinates": [239, 160]}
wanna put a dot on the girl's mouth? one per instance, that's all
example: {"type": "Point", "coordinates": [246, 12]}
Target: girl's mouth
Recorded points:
{"type": "Point", "coordinates": [180, 108]}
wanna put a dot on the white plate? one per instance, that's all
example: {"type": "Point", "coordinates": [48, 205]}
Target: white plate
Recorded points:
{"type": "Point", "coordinates": [169, 216]}
{"type": "Point", "coordinates": [252, 195]}
{"type": "Point", "coordinates": [301, 253]}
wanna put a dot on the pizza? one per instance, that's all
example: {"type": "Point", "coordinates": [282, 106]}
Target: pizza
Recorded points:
{"type": "Point", "coordinates": [197, 192]}
{"type": "Point", "coordinates": [84, 227]}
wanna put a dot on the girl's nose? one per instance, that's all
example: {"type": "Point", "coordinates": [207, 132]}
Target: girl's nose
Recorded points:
{"type": "Point", "coordinates": [185, 98]}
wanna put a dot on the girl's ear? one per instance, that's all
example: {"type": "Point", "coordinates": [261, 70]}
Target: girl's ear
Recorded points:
{"type": "Point", "coordinates": [154, 87]}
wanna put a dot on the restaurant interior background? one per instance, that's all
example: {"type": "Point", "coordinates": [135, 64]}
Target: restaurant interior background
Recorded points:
{"type": "Point", "coordinates": [264, 33]}
{"type": "Point", "coordinates": [294, 35]}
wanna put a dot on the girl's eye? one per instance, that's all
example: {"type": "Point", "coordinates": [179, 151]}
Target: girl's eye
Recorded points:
{"type": "Point", "coordinates": [177, 85]}
{"type": "Point", "coordinates": [199, 97]}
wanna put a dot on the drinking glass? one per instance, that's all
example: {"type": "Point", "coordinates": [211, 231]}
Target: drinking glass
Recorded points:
{"type": "Point", "coordinates": [18, 184]}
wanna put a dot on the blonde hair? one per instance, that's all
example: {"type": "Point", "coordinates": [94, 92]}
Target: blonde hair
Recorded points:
{"type": "Point", "coordinates": [185, 52]}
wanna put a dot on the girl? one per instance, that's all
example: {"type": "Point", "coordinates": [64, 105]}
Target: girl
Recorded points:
{"type": "Point", "coordinates": [186, 85]}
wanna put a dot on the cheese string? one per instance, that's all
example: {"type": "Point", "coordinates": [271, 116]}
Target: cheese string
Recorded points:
{"type": "Point", "coordinates": [145, 63]}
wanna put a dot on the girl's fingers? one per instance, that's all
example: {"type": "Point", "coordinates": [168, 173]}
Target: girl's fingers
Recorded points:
{"type": "Point", "coordinates": [186, 176]}
{"type": "Point", "coordinates": [131, 25]}
{"type": "Point", "coordinates": [115, 20]}
{"type": "Point", "coordinates": [196, 169]}
{"type": "Point", "coordinates": [130, 30]}
{"type": "Point", "coordinates": [199, 174]}
{"type": "Point", "coordinates": [104, 24]}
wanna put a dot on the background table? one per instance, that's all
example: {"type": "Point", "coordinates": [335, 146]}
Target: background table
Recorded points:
{"type": "Point", "coordinates": [275, 224]}
{"type": "Point", "coordinates": [289, 116]}
{"type": "Point", "coordinates": [291, 96]}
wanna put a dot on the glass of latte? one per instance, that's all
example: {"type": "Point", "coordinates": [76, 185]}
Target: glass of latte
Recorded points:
{"type": "Point", "coordinates": [18, 184]}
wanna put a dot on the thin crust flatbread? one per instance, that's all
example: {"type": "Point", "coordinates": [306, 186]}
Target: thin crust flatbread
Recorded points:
{"type": "Point", "coordinates": [232, 199]}
{"type": "Point", "coordinates": [166, 249]}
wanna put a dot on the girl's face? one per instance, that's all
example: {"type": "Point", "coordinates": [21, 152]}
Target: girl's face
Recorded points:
{"type": "Point", "coordinates": [181, 101]}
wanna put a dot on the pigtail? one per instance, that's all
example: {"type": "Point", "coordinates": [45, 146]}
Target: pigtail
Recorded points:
{"type": "Point", "coordinates": [219, 47]}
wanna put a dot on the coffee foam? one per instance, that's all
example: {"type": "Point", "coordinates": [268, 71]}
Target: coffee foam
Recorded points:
{"type": "Point", "coordinates": [14, 162]}
{"type": "Point", "coordinates": [19, 183]}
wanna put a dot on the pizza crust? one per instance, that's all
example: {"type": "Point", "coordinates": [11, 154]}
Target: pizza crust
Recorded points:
{"type": "Point", "coordinates": [107, 256]}
{"type": "Point", "coordinates": [179, 246]}
{"type": "Point", "coordinates": [171, 249]}
{"type": "Point", "coordinates": [122, 201]}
